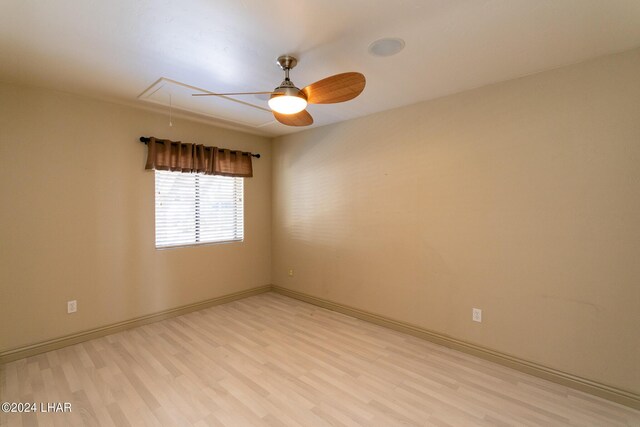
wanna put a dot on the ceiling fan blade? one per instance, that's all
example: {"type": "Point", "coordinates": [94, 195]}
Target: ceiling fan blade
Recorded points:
{"type": "Point", "coordinates": [338, 88]}
{"type": "Point", "coordinates": [231, 93]}
{"type": "Point", "coordinates": [303, 118]}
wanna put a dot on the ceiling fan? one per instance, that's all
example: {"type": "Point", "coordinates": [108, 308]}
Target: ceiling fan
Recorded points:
{"type": "Point", "coordinates": [288, 103]}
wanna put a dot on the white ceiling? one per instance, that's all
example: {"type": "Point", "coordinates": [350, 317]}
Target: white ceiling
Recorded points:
{"type": "Point", "coordinates": [118, 49]}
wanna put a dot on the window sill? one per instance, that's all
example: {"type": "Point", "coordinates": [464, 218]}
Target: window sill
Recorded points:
{"type": "Point", "coordinates": [193, 245]}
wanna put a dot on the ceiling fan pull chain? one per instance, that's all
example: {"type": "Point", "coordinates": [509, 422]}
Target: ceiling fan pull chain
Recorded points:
{"type": "Point", "coordinates": [170, 111]}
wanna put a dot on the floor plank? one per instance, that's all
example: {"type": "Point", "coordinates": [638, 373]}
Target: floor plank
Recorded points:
{"type": "Point", "coordinates": [269, 360]}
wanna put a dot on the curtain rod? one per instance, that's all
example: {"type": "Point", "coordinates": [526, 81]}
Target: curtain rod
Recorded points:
{"type": "Point", "coordinates": [146, 140]}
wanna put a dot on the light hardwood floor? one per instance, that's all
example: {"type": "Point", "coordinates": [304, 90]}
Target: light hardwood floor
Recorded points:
{"type": "Point", "coordinates": [272, 360]}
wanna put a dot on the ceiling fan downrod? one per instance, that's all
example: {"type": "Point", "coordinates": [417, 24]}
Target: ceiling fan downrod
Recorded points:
{"type": "Point", "coordinates": [286, 62]}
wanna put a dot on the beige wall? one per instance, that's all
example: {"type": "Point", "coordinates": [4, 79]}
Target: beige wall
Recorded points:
{"type": "Point", "coordinates": [77, 218]}
{"type": "Point", "coordinates": [520, 198]}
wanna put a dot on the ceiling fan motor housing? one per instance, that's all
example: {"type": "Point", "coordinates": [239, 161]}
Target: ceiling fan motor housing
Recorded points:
{"type": "Point", "coordinates": [287, 88]}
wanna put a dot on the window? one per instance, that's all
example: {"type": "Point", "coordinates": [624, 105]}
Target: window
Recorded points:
{"type": "Point", "coordinates": [193, 209]}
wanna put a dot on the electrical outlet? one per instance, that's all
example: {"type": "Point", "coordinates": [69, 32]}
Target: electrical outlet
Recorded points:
{"type": "Point", "coordinates": [72, 306]}
{"type": "Point", "coordinates": [477, 315]}
{"type": "Point", "coordinates": [291, 272]}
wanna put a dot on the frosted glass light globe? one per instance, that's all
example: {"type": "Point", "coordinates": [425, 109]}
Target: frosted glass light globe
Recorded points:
{"type": "Point", "coordinates": [286, 104]}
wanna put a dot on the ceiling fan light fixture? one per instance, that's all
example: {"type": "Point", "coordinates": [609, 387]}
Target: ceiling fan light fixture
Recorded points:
{"type": "Point", "coordinates": [285, 104]}
{"type": "Point", "coordinates": [288, 103]}
{"type": "Point", "coordinates": [288, 100]}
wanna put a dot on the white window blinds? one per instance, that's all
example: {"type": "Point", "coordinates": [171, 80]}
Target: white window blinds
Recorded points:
{"type": "Point", "coordinates": [194, 209]}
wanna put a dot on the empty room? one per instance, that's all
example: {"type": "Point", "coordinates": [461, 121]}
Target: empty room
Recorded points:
{"type": "Point", "coordinates": [320, 213]}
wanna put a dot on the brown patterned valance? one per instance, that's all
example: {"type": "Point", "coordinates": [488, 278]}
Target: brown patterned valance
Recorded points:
{"type": "Point", "coordinates": [183, 157]}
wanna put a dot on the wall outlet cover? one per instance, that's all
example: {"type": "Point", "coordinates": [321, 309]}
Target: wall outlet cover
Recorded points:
{"type": "Point", "coordinates": [72, 306]}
